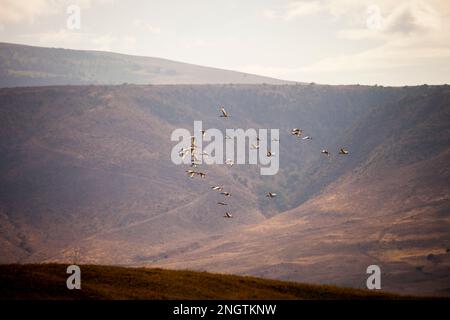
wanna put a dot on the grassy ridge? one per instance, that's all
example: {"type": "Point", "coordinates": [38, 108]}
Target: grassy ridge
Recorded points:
{"type": "Point", "coordinates": [48, 281]}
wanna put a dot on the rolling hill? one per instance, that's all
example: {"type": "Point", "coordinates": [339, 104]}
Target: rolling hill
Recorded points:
{"type": "Point", "coordinates": [22, 65]}
{"type": "Point", "coordinates": [86, 177]}
{"type": "Point", "coordinates": [48, 282]}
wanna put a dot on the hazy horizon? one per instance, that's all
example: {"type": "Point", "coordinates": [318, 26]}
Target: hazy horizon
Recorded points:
{"type": "Point", "coordinates": [330, 42]}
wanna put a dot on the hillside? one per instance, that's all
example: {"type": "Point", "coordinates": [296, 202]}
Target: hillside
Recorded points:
{"type": "Point", "coordinates": [390, 206]}
{"type": "Point", "coordinates": [86, 176]}
{"type": "Point", "coordinates": [48, 282]}
{"type": "Point", "coordinates": [22, 65]}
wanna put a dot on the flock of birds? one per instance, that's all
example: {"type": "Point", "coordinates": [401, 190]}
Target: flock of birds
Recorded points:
{"type": "Point", "coordinates": [192, 151]}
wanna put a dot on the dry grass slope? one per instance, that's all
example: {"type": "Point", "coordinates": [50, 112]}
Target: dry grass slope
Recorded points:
{"type": "Point", "coordinates": [48, 282]}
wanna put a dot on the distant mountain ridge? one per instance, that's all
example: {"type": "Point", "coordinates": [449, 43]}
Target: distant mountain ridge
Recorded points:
{"type": "Point", "coordinates": [22, 65]}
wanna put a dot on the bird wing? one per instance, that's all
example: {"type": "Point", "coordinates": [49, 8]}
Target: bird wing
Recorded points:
{"type": "Point", "coordinates": [224, 112]}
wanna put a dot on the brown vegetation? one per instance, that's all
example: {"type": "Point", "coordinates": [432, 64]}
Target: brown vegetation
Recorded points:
{"type": "Point", "coordinates": [48, 282]}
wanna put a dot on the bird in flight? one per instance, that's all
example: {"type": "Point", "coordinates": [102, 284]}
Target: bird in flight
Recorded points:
{"type": "Point", "coordinates": [343, 151]}
{"type": "Point", "coordinates": [296, 132]}
{"type": "Point", "coordinates": [229, 162]}
{"type": "Point", "coordinates": [201, 174]}
{"type": "Point", "coordinates": [271, 195]}
{"type": "Point", "coordinates": [224, 113]}
{"type": "Point", "coordinates": [228, 215]}
{"type": "Point", "coordinates": [183, 152]}
{"type": "Point", "coordinates": [194, 164]}
{"type": "Point", "coordinates": [192, 173]}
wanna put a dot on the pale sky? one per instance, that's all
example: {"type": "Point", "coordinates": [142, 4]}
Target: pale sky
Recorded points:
{"type": "Point", "coordinates": [385, 42]}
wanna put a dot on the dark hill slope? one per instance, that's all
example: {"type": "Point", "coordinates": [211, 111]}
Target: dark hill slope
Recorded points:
{"type": "Point", "coordinates": [86, 172]}
{"type": "Point", "coordinates": [48, 282]}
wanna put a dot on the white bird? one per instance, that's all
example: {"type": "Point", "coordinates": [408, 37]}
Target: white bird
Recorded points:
{"type": "Point", "coordinates": [228, 215]}
{"type": "Point", "coordinates": [201, 174]}
{"type": "Point", "coordinates": [325, 152]}
{"type": "Point", "coordinates": [222, 203]}
{"type": "Point", "coordinates": [306, 138]}
{"type": "Point", "coordinates": [183, 152]}
{"type": "Point", "coordinates": [255, 146]}
{"type": "Point", "coordinates": [224, 113]}
{"type": "Point", "coordinates": [217, 188]}
{"type": "Point", "coordinates": [271, 195]}
{"type": "Point", "coordinates": [229, 162]}
{"type": "Point", "coordinates": [191, 173]}
{"type": "Point", "coordinates": [193, 145]}
{"type": "Point", "coordinates": [228, 137]}
{"type": "Point", "coordinates": [296, 132]}
{"type": "Point", "coordinates": [343, 151]}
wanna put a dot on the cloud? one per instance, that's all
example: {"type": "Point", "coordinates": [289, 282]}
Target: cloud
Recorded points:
{"type": "Point", "coordinates": [270, 14]}
{"type": "Point", "coordinates": [277, 72]}
{"type": "Point", "coordinates": [13, 11]}
{"type": "Point", "coordinates": [408, 38]}
{"type": "Point", "coordinates": [293, 10]}
{"type": "Point", "coordinates": [388, 63]}
{"type": "Point", "coordinates": [403, 14]}
{"type": "Point", "coordinates": [301, 8]}
{"type": "Point", "coordinates": [143, 25]}
{"type": "Point", "coordinates": [63, 38]}
{"type": "Point", "coordinates": [410, 19]}
{"type": "Point", "coordinates": [411, 33]}
{"type": "Point", "coordinates": [191, 43]}
{"type": "Point", "coordinates": [413, 17]}
{"type": "Point", "coordinates": [20, 11]}
{"type": "Point", "coordinates": [103, 42]}
{"type": "Point", "coordinates": [398, 54]}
